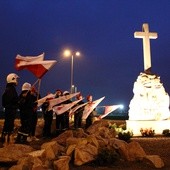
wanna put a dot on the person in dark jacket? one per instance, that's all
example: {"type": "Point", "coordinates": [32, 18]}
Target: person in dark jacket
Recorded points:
{"type": "Point", "coordinates": [36, 96]}
{"type": "Point", "coordinates": [59, 118]}
{"type": "Point", "coordinates": [89, 119]}
{"type": "Point", "coordinates": [10, 103]}
{"type": "Point", "coordinates": [78, 113]}
{"type": "Point", "coordinates": [48, 118]}
{"type": "Point", "coordinates": [26, 106]}
{"type": "Point", "coordinates": [66, 114]}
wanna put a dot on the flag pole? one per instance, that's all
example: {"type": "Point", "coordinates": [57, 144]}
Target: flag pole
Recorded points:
{"type": "Point", "coordinates": [35, 82]}
{"type": "Point", "coordinates": [39, 84]}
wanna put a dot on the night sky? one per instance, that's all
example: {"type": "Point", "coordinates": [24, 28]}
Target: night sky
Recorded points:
{"type": "Point", "coordinates": [102, 30]}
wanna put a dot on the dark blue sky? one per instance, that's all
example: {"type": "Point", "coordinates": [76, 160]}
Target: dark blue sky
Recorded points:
{"type": "Point", "coordinates": [102, 30]}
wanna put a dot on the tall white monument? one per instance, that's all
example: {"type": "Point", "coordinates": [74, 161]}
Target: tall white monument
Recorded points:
{"type": "Point", "coordinates": [149, 107]}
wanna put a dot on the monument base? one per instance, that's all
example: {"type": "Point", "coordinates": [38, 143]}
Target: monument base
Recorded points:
{"type": "Point", "coordinates": [158, 126]}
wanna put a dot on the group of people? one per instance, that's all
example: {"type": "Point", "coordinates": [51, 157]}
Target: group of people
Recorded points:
{"type": "Point", "coordinates": [26, 102]}
{"type": "Point", "coordinates": [63, 120]}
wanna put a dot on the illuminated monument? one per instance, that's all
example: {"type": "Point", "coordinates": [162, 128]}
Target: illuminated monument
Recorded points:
{"type": "Point", "coordinates": [149, 107]}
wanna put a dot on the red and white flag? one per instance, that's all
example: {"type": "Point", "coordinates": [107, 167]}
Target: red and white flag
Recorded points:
{"type": "Point", "coordinates": [61, 99]}
{"type": "Point", "coordinates": [109, 109]}
{"type": "Point", "coordinates": [73, 110]}
{"type": "Point", "coordinates": [42, 100]}
{"type": "Point", "coordinates": [64, 107]}
{"type": "Point", "coordinates": [38, 68]}
{"type": "Point", "coordinates": [20, 60]}
{"type": "Point", "coordinates": [90, 107]}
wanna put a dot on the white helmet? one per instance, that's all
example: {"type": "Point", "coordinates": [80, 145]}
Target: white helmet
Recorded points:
{"type": "Point", "coordinates": [26, 86]}
{"type": "Point", "coordinates": [66, 93]}
{"type": "Point", "coordinates": [12, 78]}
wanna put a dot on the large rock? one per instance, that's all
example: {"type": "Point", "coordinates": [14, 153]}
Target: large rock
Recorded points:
{"type": "Point", "coordinates": [86, 151]}
{"type": "Point", "coordinates": [30, 162]}
{"type": "Point", "coordinates": [79, 133]}
{"type": "Point", "coordinates": [62, 163]}
{"type": "Point", "coordinates": [102, 141]}
{"type": "Point", "coordinates": [154, 161]}
{"type": "Point", "coordinates": [96, 125]}
{"type": "Point", "coordinates": [70, 149]}
{"type": "Point", "coordinates": [14, 152]}
{"type": "Point", "coordinates": [73, 140]}
{"type": "Point", "coordinates": [61, 139]}
{"type": "Point", "coordinates": [128, 151]}
{"type": "Point", "coordinates": [52, 149]}
{"type": "Point", "coordinates": [135, 151]}
{"type": "Point", "coordinates": [102, 132]}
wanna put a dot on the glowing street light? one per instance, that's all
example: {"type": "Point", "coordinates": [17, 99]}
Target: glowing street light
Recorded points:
{"type": "Point", "coordinates": [68, 53]}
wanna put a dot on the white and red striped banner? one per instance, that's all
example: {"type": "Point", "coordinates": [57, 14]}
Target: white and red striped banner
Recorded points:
{"type": "Point", "coordinates": [108, 110]}
{"type": "Point", "coordinates": [21, 60]}
{"type": "Point", "coordinates": [73, 110]}
{"type": "Point", "coordinates": [64, 107]}
{"type": "Point", "coordinates": [36, 64]}
{"type": "Point", "coordinates": [90, 107]}
{"type": "Point", "coordinates": [38, 68]}
{"type": "Point", "coordinates": [42, 100]}
{"type": "Point", "coordinates": [61, 99]}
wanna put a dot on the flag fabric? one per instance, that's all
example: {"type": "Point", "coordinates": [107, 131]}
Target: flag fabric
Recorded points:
{"type": "Point", "coordinates": [64, 107]}
{"type": "Point", "coordinates": [109, 109]}
{"type": "Point", "coordinates": [73, 110]}
{"type": "Point", "coordinates": [42, 100]}
{"type": "Point", "coordinates": [61, 99]}
{"type": "Point", "coordinates": [20, 60]}
{"type": "Point", "coordinates": [90, 107]}
{"type": "Point", "coordinates": [38, 68]}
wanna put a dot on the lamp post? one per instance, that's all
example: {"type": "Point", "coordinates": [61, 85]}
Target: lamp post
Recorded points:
{"type": "Point", "coordinates": [68, 53]}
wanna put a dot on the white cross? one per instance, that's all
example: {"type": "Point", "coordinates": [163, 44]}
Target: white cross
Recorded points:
{"type": "Point", "coordinates": [146, 35]}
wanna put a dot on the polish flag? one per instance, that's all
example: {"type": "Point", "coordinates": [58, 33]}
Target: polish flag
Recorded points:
{"type": "Point", "coordinates": [108, 109]}
{"type": "Point", "coordinates": [90, 107]}
{"type": "Point", "coordinates": [20, 60]}
{"type": "Point", "coordinates": [61, 99]}
{"type": "Point", "coordinates": [42, 100]}
{"type": "Point", "coordinates": [64, 107]}
{"type": "Point", "coordinates": [38, 68]}
{"type": "Point", "coordinates": [74, 109]}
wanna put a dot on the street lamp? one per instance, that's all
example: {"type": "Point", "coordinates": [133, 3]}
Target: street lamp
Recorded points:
{"type": "Point", "coordinates": [68, 53]}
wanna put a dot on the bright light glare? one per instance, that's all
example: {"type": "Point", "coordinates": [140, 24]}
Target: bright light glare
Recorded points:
{"type": "Point", "coordinates": [121, 106]}
{"type": "Point", "coordinates": [77, 53]}
{"type": "Point", "coordinates": [67, 53]}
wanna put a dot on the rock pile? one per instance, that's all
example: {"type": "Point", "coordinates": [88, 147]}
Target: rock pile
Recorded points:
{"type": "Point", "coordinates": [75, 146]}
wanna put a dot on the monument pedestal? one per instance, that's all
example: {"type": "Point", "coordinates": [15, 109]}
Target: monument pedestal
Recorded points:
{"type": "Point", "coordinates": [157, 125]}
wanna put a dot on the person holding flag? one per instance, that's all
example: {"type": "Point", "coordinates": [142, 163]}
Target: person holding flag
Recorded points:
{"type": "Point", "coordinates": [66, 114]}
{"type": "Point", "coordinates": [79, 112]}
{"type": "Point", "coordinates": [26, 106]}
{"type": "Point", "coordinates": [36, 96]}
{"type": "Point", "coordinates": [59, 118]}
{"type": "Point", "coordinates": [48, 118]}
{"type": "Point", "coordinates": [58, 93]}
{"type": "Point", "coordinates": [89, 119]}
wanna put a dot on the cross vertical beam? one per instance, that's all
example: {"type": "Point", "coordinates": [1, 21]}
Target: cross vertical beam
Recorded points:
{"type": "Point", "coordinates": [146, 36]}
